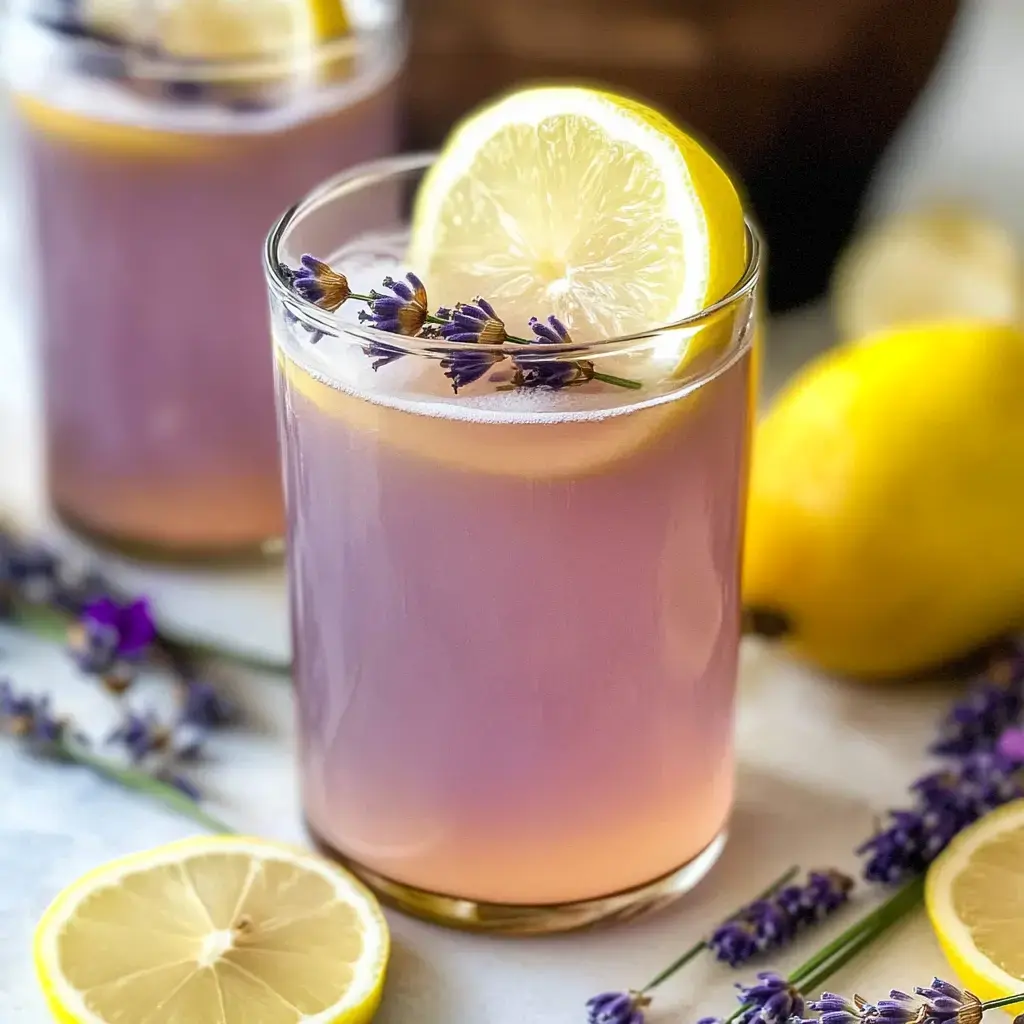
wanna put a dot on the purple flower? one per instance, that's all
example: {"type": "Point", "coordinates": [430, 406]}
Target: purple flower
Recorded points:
{"type": "Point", "coordinates": [617, 1008]}
{"type": "Point", "coordinates": [112, 631]}
{"type": "Point", "coordinates": [773, 921]}
{"type": "Point", "coordinates": [772, 1000]}
{"type": "Point", "coordinates": [836, 1009]}
{"type": "Point", "coordinates": [533, 371]}
{"type": "Point", "coordinates": [991, 705]}
{"type": "Point", "coordinates": [1011, 745]}
{"type": "Point", "coordinates": [317, 282]}
{"type": "Point", "coordinates": [471, 323]}
{"type": "Point", "coordinates": [141, 735]}
{"type": "Point", "coordinates": [29, 717]}
{"type": "Point", "coordinates": [205, 707]}
{"type": "Point", "coordinates": [946, 1004]}
{"type": "Point", "coordinates": [403, 312]}
{"type": "Point", "coordinates": [946, 802]}
{"type": "Point", "coordinates": [899, 1008]}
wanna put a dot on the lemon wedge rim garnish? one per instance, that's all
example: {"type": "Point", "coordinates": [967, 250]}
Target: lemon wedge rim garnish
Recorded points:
{"type": "Point", "coordinates": [173, 901]}
{"type": "Point", "coordinates": [956, 877]}
{"type": "Point", "coordinates": [584, 204]}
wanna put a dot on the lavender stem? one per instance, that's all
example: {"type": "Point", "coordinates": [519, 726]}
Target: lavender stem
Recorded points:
{"type": "Point", "coordinates": [699, 947]}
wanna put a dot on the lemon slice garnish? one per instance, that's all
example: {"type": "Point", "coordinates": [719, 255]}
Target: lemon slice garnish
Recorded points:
{"type": "Point", "coordinates": [583, 204]}
{"type": "Point", "coordinates": [975, 899]}
{"type": "Point", "coordinates": [214, 930]}
{"type": "Point", "coordinates": [218, 30]}
{"type": "Point", "coordinates": [942, 263]}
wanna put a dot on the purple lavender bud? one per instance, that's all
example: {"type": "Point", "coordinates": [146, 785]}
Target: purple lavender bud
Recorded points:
{"type": "Point", "coordinates": [534, 371]}
{"type": "Point", "coordinates": [404, 311]}
{"type": "Point", "coordinates": [946, 1004]}
{"type": "Point", "coordinates": [471, 323]}
{"type": "Point", "coordinates": [773, 1000]}
{"type": "Point", "coordinates": [975, 722]}
{"type": "Point", "coordinates": [319, 283]}
{"type": "Point", "coordinates": [205, 707]}
{"type": "Point", "coordinates": [733, 943]}
{"type": "Point", "coordinates": [617, 1008]}
{"type": "Point", "coordinates": [899, 1008]}
{"type": "Point", "coordinates": [140, 735]}
{"type": "Point", "coordinates": [29, 717]}
{"type": "Point", "coordinates": [1011, 745]}
{"type": "Point", "coordinates": [835, 1009]}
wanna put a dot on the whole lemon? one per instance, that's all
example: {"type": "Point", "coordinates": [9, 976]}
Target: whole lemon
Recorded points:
{"type": "Point", "coordinates": [884, 533]}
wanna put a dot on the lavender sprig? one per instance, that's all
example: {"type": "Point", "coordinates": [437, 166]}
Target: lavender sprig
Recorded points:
{"type": "Point", "coordinates": [991, 705]}
{"type": "Point", "coordinates": [405, 311]}
{"type": "Point", "coordinates": [29, 719]}
{"type": "Point", "coordinates": [627, 1007]}
{"type": "Point", "coordinates": [938, 1003]}
{"type": "Point", "coordinates": [771, 922]}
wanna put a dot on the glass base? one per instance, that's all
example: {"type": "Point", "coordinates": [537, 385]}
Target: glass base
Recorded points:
{"type": "Point", "coordinates": [254, 553]}
{"type": "Point", "coordinates": [524, 919]}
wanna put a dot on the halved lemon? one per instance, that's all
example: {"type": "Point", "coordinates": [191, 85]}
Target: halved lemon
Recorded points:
{"type": "Point", "coordinates": [213, 930]}
{"type": "Point", "coordinates": [582, 204]}
{"type": "Point", "coordinates": [938, 263]}
{"type": "Point", "coordinates": [975, 899]}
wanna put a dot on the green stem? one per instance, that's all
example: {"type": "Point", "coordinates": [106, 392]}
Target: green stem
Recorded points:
{"type": "Point", "coordinates": [818, 968]}
{"type": "Point", "coordinates": [619, 382]}
{"type": "Point", "coordinates": [994, 1004]}
{"type": "Point", "coordinates": [699, 947]}
{"type": "Point", "coordinates": [140, 782]}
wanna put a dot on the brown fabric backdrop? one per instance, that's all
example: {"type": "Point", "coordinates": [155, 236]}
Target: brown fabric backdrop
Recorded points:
{"type": "Point", "coordinates": [800, 95]}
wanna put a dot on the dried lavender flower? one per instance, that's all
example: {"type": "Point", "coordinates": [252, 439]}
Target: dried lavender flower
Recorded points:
{"type": "Point", "coordinates": [946, 1004]}
{"type": "Point", "coordinates": [204, 707]}
{"type": "Point", "coordinates": [471, 323]}
{"type": "Point", "coordinates": [403, 312]}
{"type": "Point", "coordinates": [141, 735]}
{"type": "Point", "coordinates": [535, 372]}
{"type": "Point", "coordinates": [991, 705]}
{"type": "Point", "coordinates": [29, 717]}
{"type": "Point", "coordinates": [836, 1009]}
{"type": "Point", "coordinates": [110, 633]}
{"type": "Point", "coordinates": [946, 802]}
{"type": "Point", "coordinates": [317, 282]}
{"type": "Point", "coordinates": [1011, 745]}
{"type": "Point", "coordinates": [773, 921]}
{"type": "Point", "coordinates": [772, 1000]}
{"type": "Point", "coordinates": [617, 1008]}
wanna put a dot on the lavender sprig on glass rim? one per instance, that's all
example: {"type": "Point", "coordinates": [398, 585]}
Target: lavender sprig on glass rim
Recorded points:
{"type": "Point", "coordinates": [403, 309]}
{"type": "Point", "coordinates": [767, 922]}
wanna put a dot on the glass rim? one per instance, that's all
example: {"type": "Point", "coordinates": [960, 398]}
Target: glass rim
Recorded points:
{"type": "Point", "coordinates": [145, 65]}
{"type": "Point", "coordinates": [372, 172]}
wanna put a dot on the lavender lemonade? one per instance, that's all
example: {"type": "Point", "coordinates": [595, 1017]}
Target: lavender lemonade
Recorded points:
{"type": "Point", "coordinates": [160, 140]}
{"type": "Point", "coordinates": [514, 539]}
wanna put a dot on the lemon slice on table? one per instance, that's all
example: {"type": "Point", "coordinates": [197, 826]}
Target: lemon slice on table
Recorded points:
{"type": "Point", "coordinates": [941, 263]}
{"type": "Point", "coordinates": [213, 930]}
{"type": "Point", "coordinates": [581, 204]}
{"type": "Point", "coordinates": [975, 899]}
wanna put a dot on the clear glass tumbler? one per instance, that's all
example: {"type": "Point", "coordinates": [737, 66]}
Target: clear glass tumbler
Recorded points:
{"type": "Point", "coordinates": [160, 140]}
{"type": "Point", "coordinates": [515, 609]}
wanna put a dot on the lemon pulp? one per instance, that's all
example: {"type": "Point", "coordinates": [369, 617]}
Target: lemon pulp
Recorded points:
{"type": "Point", "coordinates": [581, 204]}
{"type": "Point", "coordinates": [975, 900]}
{"type": "Point", "coordinates": [216, 930]}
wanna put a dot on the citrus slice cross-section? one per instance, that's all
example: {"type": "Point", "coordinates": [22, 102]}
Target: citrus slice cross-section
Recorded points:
{"type": "Point", "coordinates": [581, 204]}
{"type": "Point", "coordinates": [214, 930]}
{"type": "Point", "coordinates": [975, 899]}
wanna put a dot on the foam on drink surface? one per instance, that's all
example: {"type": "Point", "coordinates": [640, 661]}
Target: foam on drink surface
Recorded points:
{"type": "Point", "coordinates": [417, 384]}
{"type": "Point", "coordinates": [42, 66]}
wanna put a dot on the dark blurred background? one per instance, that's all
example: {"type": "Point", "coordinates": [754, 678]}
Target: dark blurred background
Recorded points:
{"type": "Point", "coordinates": [800, 97]}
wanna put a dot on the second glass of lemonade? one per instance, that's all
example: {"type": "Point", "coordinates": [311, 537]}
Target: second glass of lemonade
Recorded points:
{"type": "Point", "coordinates": [515, 609]}
{"type": "Point", "coordinates": [160, 140]}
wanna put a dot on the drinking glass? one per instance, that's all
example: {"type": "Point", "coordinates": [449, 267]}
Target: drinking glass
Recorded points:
{"type": "Point", "coordinates": [515, 609]}
{"type": "Point", "coordinates": [158, 145]}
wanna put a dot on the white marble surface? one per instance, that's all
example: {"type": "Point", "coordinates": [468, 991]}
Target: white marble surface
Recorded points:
{"type": "Point", "coordinates": [817, 758]}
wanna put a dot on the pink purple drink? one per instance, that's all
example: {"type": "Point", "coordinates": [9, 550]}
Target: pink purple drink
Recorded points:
{"type": "Point", "coordinates": [157, 377]}
{"type": "Point", "coordinates": [515, 615]}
